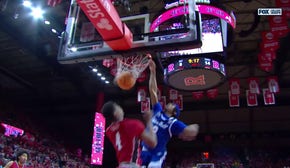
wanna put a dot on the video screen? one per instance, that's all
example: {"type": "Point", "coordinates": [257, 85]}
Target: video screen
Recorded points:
{"type": "Point", "coordinates": [211, 40]}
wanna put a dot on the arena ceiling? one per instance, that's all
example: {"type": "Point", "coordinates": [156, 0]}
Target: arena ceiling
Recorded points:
{"type": "Point", "coordinates": [32, 81]}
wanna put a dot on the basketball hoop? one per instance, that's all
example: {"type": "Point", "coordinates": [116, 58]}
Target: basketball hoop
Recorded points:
{"type": "Point", "coordinates": [134, 64]}
{"type": "Point", "coordinates": [129, 69]}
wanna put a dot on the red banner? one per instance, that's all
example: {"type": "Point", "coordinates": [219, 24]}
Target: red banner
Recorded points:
{"type": "Point", "coordinates": [53, 3]}
{"type": "Point", "coordinates": [107, 21]}
{"type": "Point", "coordinates": [98, 140]}
{"type": "Point", "coordinates": [179, 101]}
{"type": "Point", "coordinates": [141, 94]}
{"type": "Point", "coordinates": [145, 105]}
{"type": "Point", "coordinates": [269, 42]}
{"type": "Point", "coordinates": [197, 95]}
{"type": "Point", "coordinates": [234, 85]}
{"type": "Point", "coordinates": [279, 25]}
{"type": "Point", "coordinates": [273, 84]}
{"type": "Point", "coordinates": [113, 70]}
{"type": "Point", "coordinates": [234, 100]}
{"type": "Point", "coordinates": [285, 5]}
{"type": "Point", "coordinates": [163, 101]}
{"type": "Point", "coordinates": [264, 64]}
{"type": "Point", "coordinates": [212, 93]}
{"type": "Point", "coordinates": [251, 98]}
{"type": "Point", "coordinates": [254, 85]}
{"type": "Point", "coordinates": [108, 62]}
{"type": "Point", "coordinates": [173, 94]}
{"type": "Point", "coordinates": [269, 98]}
{"type": "Point", "coordinates": [87, 32]}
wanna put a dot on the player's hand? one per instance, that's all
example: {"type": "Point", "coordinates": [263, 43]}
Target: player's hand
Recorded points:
{"type": "Point", "coordinates": [147, 116]}
{"type": "Point", "coordinates": [152, 65]}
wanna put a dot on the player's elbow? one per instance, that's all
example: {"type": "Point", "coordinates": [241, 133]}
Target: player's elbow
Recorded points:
{"type": "Point", "coordinates": [153, 142]}
{"type": "Point", "coordinates": [190, 132]}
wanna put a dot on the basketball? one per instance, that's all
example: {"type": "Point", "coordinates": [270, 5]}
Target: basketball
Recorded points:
{"type": "Point", "coordinates": [125, 80]}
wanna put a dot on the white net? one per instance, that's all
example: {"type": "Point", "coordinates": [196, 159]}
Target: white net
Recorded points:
{"type": "Point", "coordinates": [135, 64]}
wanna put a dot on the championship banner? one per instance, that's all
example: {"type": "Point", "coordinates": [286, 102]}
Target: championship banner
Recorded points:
{"type": "Point", "coordinates": [159, 92]}
{"type": "Point", "coordinates": [254, 85]}
{"type": "Point", "coordinates": [179, 101]}
{"type": "Point", "coordinates": [273, 84]}
{"type": "Point", "coordinates": [173, 94]}
{"type": "Point", "coordinates": [234, 85]}
{"type": "Point", "coordinates": [145, 105]}
{"type": "Point", "coordinates": [264, 64]}
{"type": "Point", "coordinates": [251, 98]}
{"type": "Point", "coordinates": [285, 5]}
{"type": "Point", "coordinates": [87, 32]}
{"type": "Point", "coordinates": [279, 25]}
{"type": "Point", "coordinates": [234, 100]}
{"type": "Point", "coordinates": [212, 93]}
{"type": "Point", "coordinates": [141, 93]}
{"type": "Point", "coordinates": [108, 62]}
{"type": "Point", "coordinates": [197, 95]}
{"type": "Point", "coordinates": [162, 101]}
{"type": "Point", "coordinates": [269, 98]}
{"type": "Point", "coordinates": [98, 140]}
{"type": "Point", "coordinates": [269, 42]}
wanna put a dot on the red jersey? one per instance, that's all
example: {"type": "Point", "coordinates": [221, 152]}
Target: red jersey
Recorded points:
{"type": "Point", "coordinates": [15, 165]}
{"type": "Point", "coordinates": [125, 137]}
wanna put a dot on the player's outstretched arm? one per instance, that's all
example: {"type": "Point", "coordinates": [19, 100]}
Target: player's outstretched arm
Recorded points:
{"type": "Point", "coordinates": [153, 83]}
{"type": "Point", "coordinates": [148, 136]}
{"type": "Point", "coordinates": [189, 133]}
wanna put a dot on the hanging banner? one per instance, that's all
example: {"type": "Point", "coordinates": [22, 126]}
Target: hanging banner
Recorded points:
{"type": "Point", "coordinates": [234, 86]}
{"type": "Point", "coordinates": [285, 5]}
{"type": "Point", "coordinates": [251, 98]}
{"type": "Point", "coordinates": [273, 84]}
{"type": "Point", "coordinates": [197, 95]}
{"type": "Point", "coordinates": [159, 92]}
{"type": "Point", "coordinates": [163, 101]}
{"type": "Point", "coordinates": [234, 100]}
{"type": "Point", "coordinates": [179, 101]}
{"type": "Point", "coordinates": [98, 140]}
{"type": "Point", "coordinates": [254, 85]}
{"type": "Point", "coordinates": [264, 64]}
{"type": "Point", "coordinates": [173, 94]}
{"type": "Point", "coordinates": [108, 62]}
{"type": "Point", "coordinates": [53, 3]}
{"type": "Point", "coordinates": [141, 94]}
{"type": "Point", "coordinates": [269, 98]}
{"type": "Point", "coordinates": [113, 70]}
{"type": "Point", "coordinates": [212, 93]}
{"type": "Point", "coordinates": [279, 25]}
{"type": "Point", "coordinates": [269, 42]}
{"type": "Point", "coordinates": [145, 105]}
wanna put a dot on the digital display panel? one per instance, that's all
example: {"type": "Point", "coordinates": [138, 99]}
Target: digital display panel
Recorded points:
{"type": "Point", "coordinates": [12, 131]}
{"type": "Point", "coordinates": [98, 140]}
{"type": "Point", "coordinates": [211, 40]}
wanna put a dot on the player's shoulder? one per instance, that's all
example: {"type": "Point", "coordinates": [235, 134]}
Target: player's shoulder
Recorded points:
{"type": "Point", "coordinates": [9, 164]}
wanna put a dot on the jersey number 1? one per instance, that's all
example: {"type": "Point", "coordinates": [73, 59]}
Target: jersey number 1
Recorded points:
{"type": "Point", "coordinates": [118, 141]}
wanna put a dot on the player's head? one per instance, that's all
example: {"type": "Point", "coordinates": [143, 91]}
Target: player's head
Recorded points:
{"type": "Point", "coordinates": [172, 109]}
{"type": "Point", "coordinates": [22, 156]}
{"type": "Point", "coordinates": [112, 111]}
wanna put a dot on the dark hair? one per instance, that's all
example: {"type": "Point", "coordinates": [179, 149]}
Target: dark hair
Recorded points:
{"type": "Point", "coordinates": [21, 152]}
{"type": "Point", "coordinates": [108, 110]}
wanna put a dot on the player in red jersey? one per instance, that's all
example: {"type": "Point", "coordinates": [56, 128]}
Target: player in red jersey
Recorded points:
{"type": "Point", "coordinates": [125, 134]}
{"type": "Point", "coordinates": [21, 158]}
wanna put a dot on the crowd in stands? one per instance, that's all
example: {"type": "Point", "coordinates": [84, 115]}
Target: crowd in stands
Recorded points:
{"type": "Point", "coordinates": [44, 151]}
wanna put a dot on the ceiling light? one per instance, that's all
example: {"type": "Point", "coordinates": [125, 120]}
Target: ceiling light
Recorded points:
{"type": "Point", "coordinates": [103, 78]}
{"type": "Point", "coordinates": [107, 82]}
{"type": "Point", "coordinates": [95, 70]}
{"type": "Point", "coordinates": [53, 31]}
{"type": "Point", "coordinates": [37, 13]}
{"type": "Point", "coordinates": [27, 3]}
{"type": "Point", "coordinates": [47, 22]}
{"type": "Point", "coordinates": [99, 74]}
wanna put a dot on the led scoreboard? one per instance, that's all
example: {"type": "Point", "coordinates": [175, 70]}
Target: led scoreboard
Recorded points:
{"type": "Point", "coordinates": [194, 73]}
